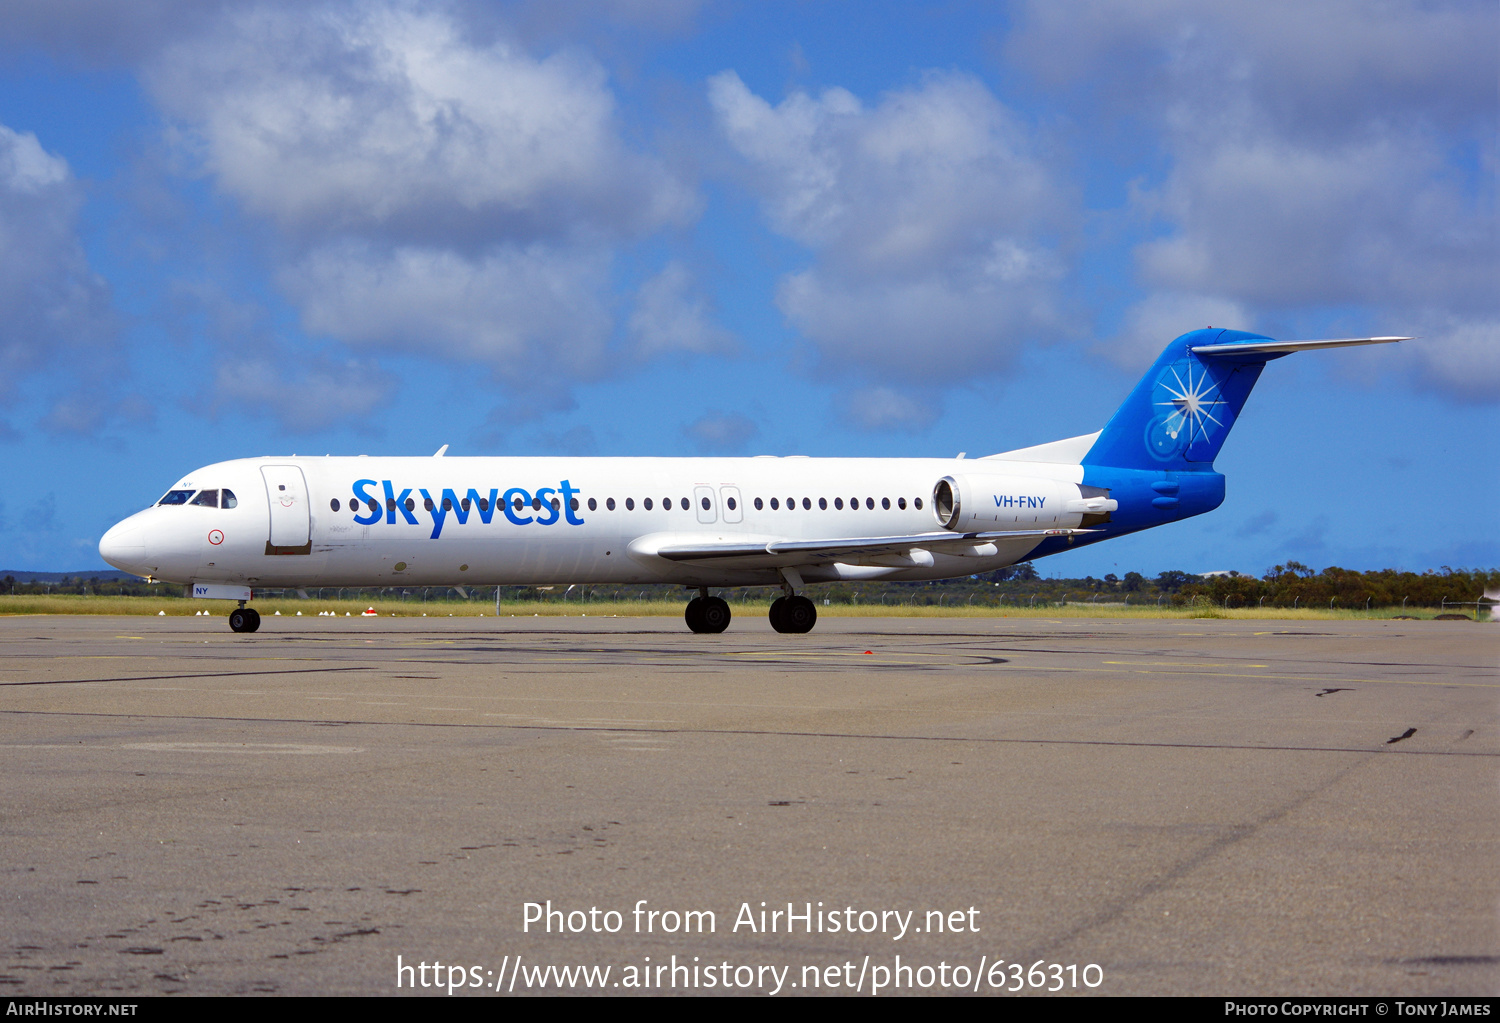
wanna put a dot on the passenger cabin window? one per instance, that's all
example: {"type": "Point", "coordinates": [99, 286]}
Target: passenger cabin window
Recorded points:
{"type": "Point", "coordinates": [758, 505]}
{"type": "Point", "coordinates": [334, 504]}
{"type": "Point", "coordinates": [838, 502]}
{"type": "Point", "coordinates": [630, 504]}
{"type": "Point", "coordinates": [918, 502]}
{"type": "Point", "coordinates": [608, 503]}
{"type": "Point", "coordinates": [447, 504]}
{"type": "Point", "coordinates": [870, 503]}
{"type": "Point", "coordinates": [901, 503]}
{"type": "Point", "coordinates": [775, 504]}
{"type": "Point", "coordinates": [732, 504]}
{"type": "Point", "coordinates": [807, 504]}
{"type": "Point", "coordinates": [207, 499]}
{"type": "Point", "coordinates": [427, 503]}
{"type": "Point", "coordinates": [885, 502]}
{"type": "Point", "coordinates": [464, 504]}
{"type": "Point", "coordinates": [176, 497]}
{"type": "Point", "coordinates": [823, 503]}
{"type": "Point", "coordinates": [593, 504]}
{"type": "Point", "coordinates": [646, 504]}
{"type": "Point", "coordinates": [229, 500]}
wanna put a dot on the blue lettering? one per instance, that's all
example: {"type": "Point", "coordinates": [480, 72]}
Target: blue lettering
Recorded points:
{"type": "Point", "coordinates": [362, 493]}
{"type": "Point", "coordinates": [459, 511]}
{"type": "Point", "coordinates": [567, 500]}
{"type": "Point", "coordinates": [541, 495]}
{"type": "Point", "coordinates": [486, 505]}
{"type": "Point", "coordinates": [390, 509]}
{"type": "Point", "coordinates": [1041, 502]}
{"type": "Point", "coordinates": [439, 513]}
{"type": "Point", "coordinates": [510, 510]}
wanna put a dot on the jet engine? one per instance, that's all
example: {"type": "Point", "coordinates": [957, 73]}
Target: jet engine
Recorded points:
{"type": "Point", "coordinates": [975, 503]}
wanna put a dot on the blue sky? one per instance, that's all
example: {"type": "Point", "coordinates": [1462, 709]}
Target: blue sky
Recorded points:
{"type": "Point", "coordinates": [678, 227]}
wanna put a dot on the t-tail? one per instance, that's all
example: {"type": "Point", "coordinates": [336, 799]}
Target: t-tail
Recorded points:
{"type": "Point", "coordinates": [1156, 455]}
{"type": "Point", "coordinates": [1179, 414]}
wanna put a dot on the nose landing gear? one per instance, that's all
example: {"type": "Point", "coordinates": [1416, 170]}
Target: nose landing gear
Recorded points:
{"type": "Point", "coordinates": [244, 619]}
{"type": "Point", "coordinates": [707, 614]}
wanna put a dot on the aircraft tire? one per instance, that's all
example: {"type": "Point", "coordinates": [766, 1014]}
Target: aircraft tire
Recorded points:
{"type": "Point", "coordinates": [799, 615]}
{"type": "Point", "coordinates": [714, 615]}
{"type": "Point", "coordinates": [778, 620]}
{"type": "Point", "coordinates": [244, 619]}
{"type": "Point", "coordinates": [693, 615]}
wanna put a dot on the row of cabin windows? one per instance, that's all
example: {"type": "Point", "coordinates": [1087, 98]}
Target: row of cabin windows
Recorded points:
{"type": "Point", "coordinates": [205, 498]}
{"type": "Point", "coordinates": [609, 503]}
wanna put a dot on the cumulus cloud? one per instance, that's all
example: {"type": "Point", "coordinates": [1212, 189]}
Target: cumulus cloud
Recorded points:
{"type": "Point", "coordinates": [436, 192]}
{"type": "Point", "coordinates": [932, 221]}
{"type": "Point", "coordinates": [386, 119]}
{"type": "Point", "coordinates": [1161, 317]}
{"type": "Point", "coordinates": [672, 316]}
{"type": "Point", "coordinates": [722, 433]}
{"type": "Point", "coordinates": [316, 394]}
{"type": "Point", "coordinates": [523, 312]}
{"type": "Point", "coordinates": [54, 310]}
{"type": "Point", "coordinates": [1334, 157]}
{"type": "Point", "coordinates": [885, 408]}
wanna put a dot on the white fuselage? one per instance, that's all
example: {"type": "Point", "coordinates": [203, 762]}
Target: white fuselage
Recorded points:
{"type": "Point", "coordinates": [488, 521]}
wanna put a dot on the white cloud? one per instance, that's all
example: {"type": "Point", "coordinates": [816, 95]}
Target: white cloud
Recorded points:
{"type": "Point", "coordinates": [303, 395]}
{"type": "Point", "coordinates": [54, 310]}
{"type": "Point", "coordinates": [672, 316]}
{"type": "Point", "coordinates": [885, 408]}
{"type": "Point", "coordinates": [1324, 159]}
{"type": "Point", "coordinates": [527, 313]}
{"type": "Point", "coordinates": [932, 221]}
{"type": "Point", "coordinates": [721, 432]}
{"type": "Point", "coordinates": [438, 191]}
{"type": "Point", "coordinates": [1458, 357]}
{"type": "Point", "coordinates": [385, 119]}
{"type": "Point", "coordinates": [1164, 316]}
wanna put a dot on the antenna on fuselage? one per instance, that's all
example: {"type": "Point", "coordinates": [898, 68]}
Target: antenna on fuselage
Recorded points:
{"type": "Point", "coordinates": [440, 452]}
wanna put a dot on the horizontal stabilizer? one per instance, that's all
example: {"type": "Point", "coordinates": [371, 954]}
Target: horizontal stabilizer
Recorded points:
{"type": "Point", "coordinates": [1287, 347]}
{"type": "Point", "coordinates": [816, 551]}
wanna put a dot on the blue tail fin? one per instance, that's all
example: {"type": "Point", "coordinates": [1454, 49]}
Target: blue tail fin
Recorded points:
{"type": "Point", "coordinates": [1177, 417]}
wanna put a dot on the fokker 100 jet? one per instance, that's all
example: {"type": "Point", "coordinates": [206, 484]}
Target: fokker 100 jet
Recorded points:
{"type": "Point", "coordinates": [231, 528]}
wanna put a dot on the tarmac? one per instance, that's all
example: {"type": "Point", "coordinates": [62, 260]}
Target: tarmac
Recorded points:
{"type": "Point", "coordinates": [1135, 807]}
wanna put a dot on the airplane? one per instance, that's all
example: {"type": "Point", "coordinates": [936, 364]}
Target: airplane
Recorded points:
{"type": "Point", "coordinates": [250, 524]}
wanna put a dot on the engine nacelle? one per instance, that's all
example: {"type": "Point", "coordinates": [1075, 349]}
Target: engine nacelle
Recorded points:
{"type": "Point", "coordinates": [974, 503]}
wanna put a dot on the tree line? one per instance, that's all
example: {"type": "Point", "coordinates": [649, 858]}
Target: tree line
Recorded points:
{"type": "Point", "coordinates": [1289, 585]}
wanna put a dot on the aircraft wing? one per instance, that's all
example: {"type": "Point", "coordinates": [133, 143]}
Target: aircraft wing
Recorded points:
{"type": "Point", "coordinates": [818, 552]}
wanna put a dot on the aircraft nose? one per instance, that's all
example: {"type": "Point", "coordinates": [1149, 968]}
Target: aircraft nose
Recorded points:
{"type": "Point", "coordinates": [124, 545]}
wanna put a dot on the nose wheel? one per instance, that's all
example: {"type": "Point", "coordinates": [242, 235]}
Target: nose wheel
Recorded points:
{"type": "Point", "coordinates": [707, 614]}
{"type": "Point", "coordinates": [793, 614]}
{"type": "Point", "coordinates": [244, 619]}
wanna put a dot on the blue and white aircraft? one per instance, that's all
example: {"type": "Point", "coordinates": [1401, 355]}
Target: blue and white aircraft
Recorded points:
{"type": "Point", "coordinates": [231, 528]}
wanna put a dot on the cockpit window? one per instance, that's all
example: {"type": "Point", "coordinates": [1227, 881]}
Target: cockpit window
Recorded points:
{"type": "Point", "coordinates": [229, 501]}
{"type": "Point", "coordinates": [176, 497]}
{"type": "Point", "coordinates": [207, 498]}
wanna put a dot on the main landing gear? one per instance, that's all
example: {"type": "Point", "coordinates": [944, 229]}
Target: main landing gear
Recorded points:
{"type": "Point", "coordinates": [244, 619]}
{"type": "Point", "coordinates": [793, 614]}
{"type": "Point", "coordinates": [707, 614]}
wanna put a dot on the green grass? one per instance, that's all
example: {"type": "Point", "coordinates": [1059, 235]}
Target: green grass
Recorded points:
{"type": "Point", "coordinates": [157, 606]}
